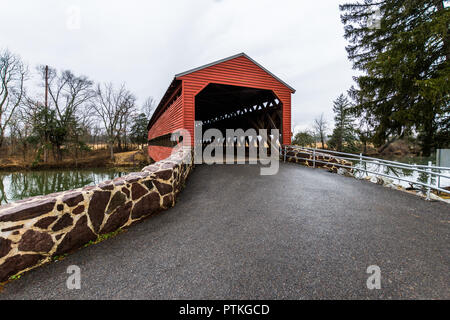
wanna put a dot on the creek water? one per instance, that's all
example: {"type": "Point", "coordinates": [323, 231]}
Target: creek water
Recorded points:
{"type": "Point", "coordinates": [23, 184]}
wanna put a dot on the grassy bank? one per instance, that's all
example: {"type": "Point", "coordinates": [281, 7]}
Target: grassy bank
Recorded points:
{"type": "Point", "coordinates": [95, 159]}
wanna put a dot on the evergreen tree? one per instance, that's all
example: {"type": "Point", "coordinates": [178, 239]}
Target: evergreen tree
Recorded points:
{"type": "Point", "coordinates": [138, 133]}
{"type": "Point", "coordinates": [45, 128]}
{"type": "Point", "coordinates": [343, 136]}
{"type": "Point", "coordinates": [304, 139]}
{"type": "Point", "coordinates": [364, 131]}
{"type": "Point", "coordinates": [404, 58]}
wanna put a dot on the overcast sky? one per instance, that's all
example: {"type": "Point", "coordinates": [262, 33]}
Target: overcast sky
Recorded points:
{"type": "Point", "coordinates": [145, 43]}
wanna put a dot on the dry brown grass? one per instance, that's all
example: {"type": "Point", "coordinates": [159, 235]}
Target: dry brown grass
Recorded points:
{"type": "Point", "coordinates": [94, 158]}
{"type": "Point", "coordinates": [130, 158]}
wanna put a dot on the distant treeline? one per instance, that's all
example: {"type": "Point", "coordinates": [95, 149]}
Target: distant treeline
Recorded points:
{"type": "Point", "coordinates": [402, 51]}
{"type": "Point", "coordinates": [70, 116]}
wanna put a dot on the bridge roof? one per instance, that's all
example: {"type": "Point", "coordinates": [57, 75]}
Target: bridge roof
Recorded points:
{"type": "Point", "coordinates": [242, 54]}
{"type": "Point", "coordinates": [174, 85]}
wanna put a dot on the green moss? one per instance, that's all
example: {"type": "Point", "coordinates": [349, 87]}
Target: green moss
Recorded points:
{"type": "Point", "coordinates": [60, 257]}
{"type": "Point", "coordinates": [15, 277]}
{"type": "Point", "coordinates": [103, 237]}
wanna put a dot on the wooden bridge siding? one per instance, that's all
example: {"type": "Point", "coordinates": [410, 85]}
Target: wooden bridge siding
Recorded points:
{"type": "Point", "coordinates": [159, 153]}
{"type": "Point", "coordinates": [238, 72]}
{"type": "Point", "coordinates": [169, 121]}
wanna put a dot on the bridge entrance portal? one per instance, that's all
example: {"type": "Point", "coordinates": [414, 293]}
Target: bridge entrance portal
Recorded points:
{"type": "Point", "coordinates": [223, 107]}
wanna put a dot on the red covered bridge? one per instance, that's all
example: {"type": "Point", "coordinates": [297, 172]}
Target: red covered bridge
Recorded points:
{"type": "Point", "coordinates": [232, 93]}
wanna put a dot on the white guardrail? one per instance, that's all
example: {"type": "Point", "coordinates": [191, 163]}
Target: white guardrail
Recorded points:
{"type": "Point", "coordinates": [366, 165]}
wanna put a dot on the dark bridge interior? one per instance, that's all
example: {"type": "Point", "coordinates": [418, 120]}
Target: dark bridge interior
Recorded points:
{"type": "Point", "coordinates": [232, 107]}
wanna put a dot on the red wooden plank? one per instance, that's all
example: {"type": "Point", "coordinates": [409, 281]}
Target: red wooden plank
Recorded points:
{"type": "Point", "coordinates": [239, 71]}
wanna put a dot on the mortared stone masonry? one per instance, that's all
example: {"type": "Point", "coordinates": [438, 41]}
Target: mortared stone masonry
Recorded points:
{"type": "Point", "coordinates": [34, 230]}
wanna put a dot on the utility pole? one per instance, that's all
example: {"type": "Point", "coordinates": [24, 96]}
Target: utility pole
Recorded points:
{"type": "Point", "coordinates": [46, 114]}
{"type": "Point", "coordinates": [46, 87]}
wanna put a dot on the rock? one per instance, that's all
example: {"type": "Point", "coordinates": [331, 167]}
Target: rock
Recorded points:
{"type": "Point", "coordinates": [168, 201]}
{"type": "Point", "coordinates": [97, 208]}
{"type": "Point", "coordinates": [78, 210]}
{"type": "Point", "coordinates": [163, 188]}
{"type": "Point", "coordinates": [168, 165]}
{"type": "Point", "coordinates": [163, 174]}
{"type": "Point", "coordinates": [386, 181]}
{"type": "Point", "coordinates": [117, 200]}
{"type": "Point", "coordinates": [36, 241]}
{"type": "Point", "coordinates": [80, 235]}
{"type": "Point", "coordinates": [18, 263]}
{"type": "Point", "coordinates": [118, 181]}
{"type": "Point", "coordinates": [376, 180]}
{"type": "Point", "coordinates": [118, 218]}
{"type": "Point", "coordinates": [150, 168]}
{"type": "Point", "coordinates": [147, 205]}
{"type": "Point", "coordinates": [131, 178]}
{"type": "Point", "coordinates": [106, 186]}
{"type": "Point", "coordinates": [63, 222]}
{"type": "Point", "coordinates": [126, 191]}
{"type": "Point", "coordinates": [420, 193]}
{"type": "Point", "coordinates": [434, 197]}
{"type": "Point", "coordinates": [72, 199]}
{"type": "Point", "coordinates": [45, 222]}
{"type": "Point", "coordinates": [88, 188]}
{"type": "Point", "coordinates": [148, 184]}
{"type": "Point", "coordinates": [137, 191]}
{"type": "Point", "coordinates": [28, 210]}
{"type": "Point", "coordinates": [20, 226]}
{"type": "Point", "coordinates": [142, 174]}
{"type": "Point", "coordinates": [5, 247]}
{"type": "Point", "coordinates": [290, 154]}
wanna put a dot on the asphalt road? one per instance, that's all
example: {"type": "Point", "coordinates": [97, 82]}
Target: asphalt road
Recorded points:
{"type": "Point", "coordinates": [233, 234]}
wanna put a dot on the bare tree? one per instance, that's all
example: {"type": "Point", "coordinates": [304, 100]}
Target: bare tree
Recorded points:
{"type": "Point", "coordinates": [149, 107]}
{"type": "Point", "coordinates": [68, 93]}
{"type": "Point", "coordinates": [13, 73]}
{"type": "Point", "coordinates": [81, 131]}
{"type": "Point", "coordinates": [320, 128]}
{"type": "Point", "coordinates": [128, 111]}
{"type": "Point", "coordinates": [20, 128]}
{"type": "Point", "coordinates": [112, 106]}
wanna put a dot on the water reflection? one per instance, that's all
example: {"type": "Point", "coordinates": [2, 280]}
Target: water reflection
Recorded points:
{"type": "Point", "coordinates": [19, 185]}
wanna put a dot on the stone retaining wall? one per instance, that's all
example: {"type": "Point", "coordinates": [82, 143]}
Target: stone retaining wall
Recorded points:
{"type": "Point", "coordinates": [292, 153]}
{"type": "Point", "coordinates": [34, 230]}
